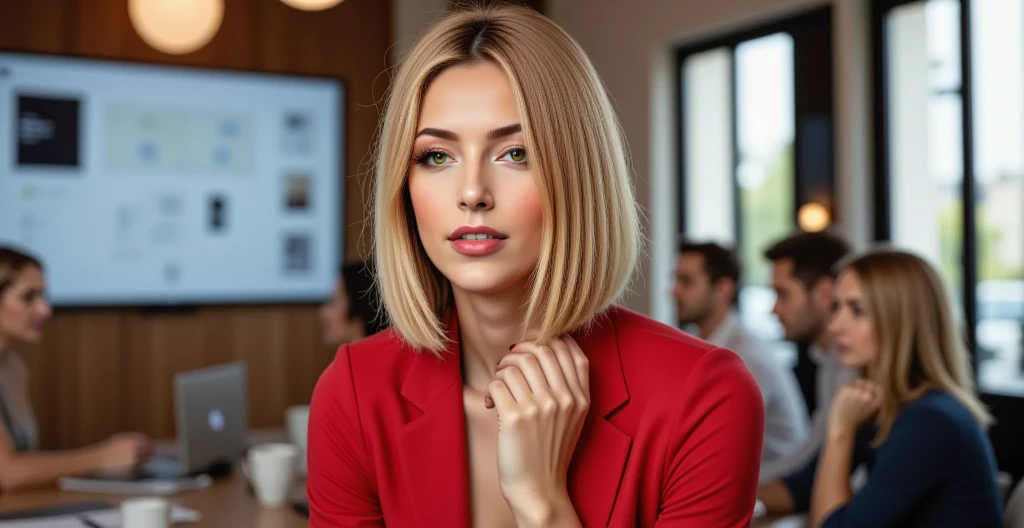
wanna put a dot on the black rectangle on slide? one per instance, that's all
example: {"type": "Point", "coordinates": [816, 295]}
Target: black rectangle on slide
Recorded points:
{"type": "Point", "coordinates": [218, 212]}
{"type": "Point", "coordinates": [47, 131]}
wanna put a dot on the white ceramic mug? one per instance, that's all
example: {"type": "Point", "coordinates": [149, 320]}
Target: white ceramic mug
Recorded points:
{"type": "Point", "coordinates": [272, 472]}
{"type": "Point", "coordinates": [145, 512]}
{"type": "Point", "coordinates": [296, 418]}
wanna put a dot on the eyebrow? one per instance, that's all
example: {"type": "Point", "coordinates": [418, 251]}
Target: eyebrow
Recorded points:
{"type": "Point", "coordinates": [448, 135]}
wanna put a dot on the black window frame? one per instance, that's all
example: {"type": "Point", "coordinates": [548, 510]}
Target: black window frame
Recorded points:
{"type": "Point", "coordinates": [813, 97]}
{"type": "Point", "coordinates": [813, 105]}
{"type": "Point", "coordinates": [1008, 434]}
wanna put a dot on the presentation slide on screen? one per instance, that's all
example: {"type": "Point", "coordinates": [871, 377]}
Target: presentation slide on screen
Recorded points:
{"type": "Point", "coordinates": [151, 185]}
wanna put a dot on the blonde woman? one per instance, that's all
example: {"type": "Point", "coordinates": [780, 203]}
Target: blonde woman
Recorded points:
{"type": "Point", "coordinates": [511, 391]}
{"type": "Point", "coordinates": [23, 315]}
{"type": "Point", "coordinates": [912, 418]}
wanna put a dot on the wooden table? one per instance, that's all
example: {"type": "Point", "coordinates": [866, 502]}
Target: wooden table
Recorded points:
{"type": "Point", "coordinates": [228, 503]}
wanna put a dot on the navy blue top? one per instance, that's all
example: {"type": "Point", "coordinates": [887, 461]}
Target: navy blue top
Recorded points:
{"type": "Point", "coordinates": [936, 469]}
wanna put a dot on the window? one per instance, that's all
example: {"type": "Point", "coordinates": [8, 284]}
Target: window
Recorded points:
{"type": "Point", "coordinates": [756, 143]}
{"type": "Point", "coordinates": [926, 164]}
{"type": "Point", "coordinates": [764, 171]}
{"type": "Point", "coordinates": [952, 163]}
{"type": "Point", "coordinates": [997, 42]}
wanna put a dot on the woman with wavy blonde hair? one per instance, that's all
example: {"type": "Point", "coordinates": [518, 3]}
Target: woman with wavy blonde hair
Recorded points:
{"type": "Point", "coordinates": [923, 440]}
{"type": "Point", "coordinates": [511, 390]}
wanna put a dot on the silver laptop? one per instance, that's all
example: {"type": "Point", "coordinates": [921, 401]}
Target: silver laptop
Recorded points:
{"type": "Point", "coordinates": [212, 419]}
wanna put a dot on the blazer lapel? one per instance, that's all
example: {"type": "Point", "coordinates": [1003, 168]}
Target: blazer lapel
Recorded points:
{"type": "Point", "coordinates": [433, 443]}
{"type": "Point", "coordinates": [602, 451]}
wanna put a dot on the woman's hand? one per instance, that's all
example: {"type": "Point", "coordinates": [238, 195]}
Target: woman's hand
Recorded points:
{"type": "Point", "coordinates": [542, 395]}
{"type": "Point", "coordinates": [124, 451]}
{"type": "Point", "coordinates": [855, 403]}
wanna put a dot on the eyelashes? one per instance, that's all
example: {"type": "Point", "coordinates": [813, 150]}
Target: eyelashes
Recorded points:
{"type": "Point", "coordinates": [436, 157]}
{"type": "Point", "coordinates": [425, 155]}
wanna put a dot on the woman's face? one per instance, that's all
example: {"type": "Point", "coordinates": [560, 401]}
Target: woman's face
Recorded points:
{"type": "Point", "coordinates": [850, 326]}
{"type": "Point", "coordinates": [23, 307]}
{"type": "Point", "coordinates": [477, 205]}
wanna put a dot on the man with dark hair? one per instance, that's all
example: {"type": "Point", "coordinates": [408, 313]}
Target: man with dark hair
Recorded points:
{"type": "Point", "coordinates": [706, 289]}
{"type": "Point", "coordinates": [803, 276]}
{"type": "Point", "coordinates": [353, 311]}
{"type": "Point", "coordinates": [803, 272]}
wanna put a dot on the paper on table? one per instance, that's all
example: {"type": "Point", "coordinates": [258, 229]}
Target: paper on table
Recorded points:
{"type": "Point", "coordinates": [59, 521]}
{"type": "Point", "coordinates": [112, 518]}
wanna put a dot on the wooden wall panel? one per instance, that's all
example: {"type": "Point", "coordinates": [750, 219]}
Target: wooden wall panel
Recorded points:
{"type": "Point", "coordinates": [100, 371]}
{"type": "Point", "coordinates": [320, 43]}
{"type": "Point", "coordinates": [39, 25]}
{"type": "Point", "coordinates": [104, 29]}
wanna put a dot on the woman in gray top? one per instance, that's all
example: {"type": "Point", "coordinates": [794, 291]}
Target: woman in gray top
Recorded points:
{"type": "Point", "coordinates": [23, 313]}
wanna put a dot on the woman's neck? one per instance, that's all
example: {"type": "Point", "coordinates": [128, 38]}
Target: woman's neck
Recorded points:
{"type": "Point", "coordinates": [488, 325]}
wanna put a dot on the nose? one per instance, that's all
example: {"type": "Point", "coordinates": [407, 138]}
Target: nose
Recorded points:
{"type": "Point", "coordinates": [835, 323]}
{"type": "Point", "coordinates": [45, 310]}
{"type": "Point", "coordinates": [474, 194]}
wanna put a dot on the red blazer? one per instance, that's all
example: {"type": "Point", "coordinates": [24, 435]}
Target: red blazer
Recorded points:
{"type": "Point", "coordinates": [673, 437]}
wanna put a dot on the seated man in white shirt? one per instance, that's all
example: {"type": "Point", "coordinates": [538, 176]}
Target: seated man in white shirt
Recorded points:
{"type": "Point", "coordinates": [803, 276]}
{"type": "Point", "coordinates": [707, 284]}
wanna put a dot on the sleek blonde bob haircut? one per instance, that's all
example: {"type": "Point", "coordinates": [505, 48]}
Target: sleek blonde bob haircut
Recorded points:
{"type": "Point", "coordinates": [916, 334]}
{"type": "Point", "coordinates": [591, 238]}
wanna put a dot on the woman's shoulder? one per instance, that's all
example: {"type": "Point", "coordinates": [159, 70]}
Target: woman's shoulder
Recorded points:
{"type": "Point", "coordinates": [13, 368]}
{"type": "Point", "coordinates": [370, 363]}
{"type": "Point", "coordinates": [648, 347]}
{"type": "Point", "coordinates": [383, 348]}
{"type": "Point", "coordinates": [646, 339]}
{"type": "Point", "coordinates": [938, 413]}
{"type": "Point", "coordinates": [636, 329]}
{"type": "Point", "coordinates": [935, 403]}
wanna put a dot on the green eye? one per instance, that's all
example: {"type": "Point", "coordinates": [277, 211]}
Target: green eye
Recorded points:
{"type": "Point", "coordinates": [438, 158]}
{"type": "Point", "coordinates": [517, 155]}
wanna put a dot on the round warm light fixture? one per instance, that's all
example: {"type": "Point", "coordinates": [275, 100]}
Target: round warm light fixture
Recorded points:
{"type": "Point", "coordinates": [813, 216]}
{"type": "Point", "coordinates": [176, 27]}
{"type": "Point", "coordinates": [312, 5]}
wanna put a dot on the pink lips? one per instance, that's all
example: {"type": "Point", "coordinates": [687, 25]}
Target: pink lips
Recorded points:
{"type": "Point", "coordinates": [477, 246]}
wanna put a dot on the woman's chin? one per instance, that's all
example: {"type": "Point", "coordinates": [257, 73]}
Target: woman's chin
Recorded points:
{"type": "Point", "coordinates": [481, 287]}
{"type": "Point", "coordinates": [31, 337]}
{"type": "Point", "coordinates": [488, 278]}
{"type": "Point", "coordinates": [493, 285]}
{"type": "Point", "coordinates": [851, 362]}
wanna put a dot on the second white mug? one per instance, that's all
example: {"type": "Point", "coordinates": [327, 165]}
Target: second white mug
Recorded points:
{"type": "Point", "coordinates": [145, 512]}
{"type": "Point", "coordinates": [272, 472]}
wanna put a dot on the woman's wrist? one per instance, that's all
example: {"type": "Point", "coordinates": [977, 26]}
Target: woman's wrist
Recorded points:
{"type": "Point", "coordinates": [840, 433]}
{"type": "Point", "coordinates": [94, 456]}
{"type": "Point", "coordinates": [547, 510]}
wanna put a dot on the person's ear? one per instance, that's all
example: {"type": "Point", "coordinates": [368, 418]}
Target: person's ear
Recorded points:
{"type": "Point", "coordinates": [725, 291]}
{"type": "Point", "coordinates": [822, 293]}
